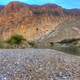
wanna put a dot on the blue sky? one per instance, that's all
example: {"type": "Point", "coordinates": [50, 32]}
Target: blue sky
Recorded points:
{"type": "Point", "coordinates": [63, 3]}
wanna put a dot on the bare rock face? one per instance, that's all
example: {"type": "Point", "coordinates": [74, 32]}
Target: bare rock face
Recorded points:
{"type": "Point", "coordinates": [38, 64]}
{"type": "Point", "coordinates": [32, 22]}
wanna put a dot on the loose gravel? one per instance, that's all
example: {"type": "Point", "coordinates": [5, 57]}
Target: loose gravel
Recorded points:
{"type": "Point", "coordinates": [38, 64]}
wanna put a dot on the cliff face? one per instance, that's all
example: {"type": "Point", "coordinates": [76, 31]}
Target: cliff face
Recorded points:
{"type": "Point", "coordinates": [32, 22]}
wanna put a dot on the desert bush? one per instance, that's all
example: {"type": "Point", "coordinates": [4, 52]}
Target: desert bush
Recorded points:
{"type": "Point", "coordinates": [16, 39]}
{"type": "Point", "coordinates": [32, 44]}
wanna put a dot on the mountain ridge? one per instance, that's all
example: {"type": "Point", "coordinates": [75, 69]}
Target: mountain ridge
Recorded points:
{"type": "Point", "coordinates": [32, 22]}
{"type": "Point", "coordinates": [16, 4]}
{"type": "Point", "coordinates": [35, 5]}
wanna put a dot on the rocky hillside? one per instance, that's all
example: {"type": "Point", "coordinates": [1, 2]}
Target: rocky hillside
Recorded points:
{"type": "Point", "coordinates": [33, 22]}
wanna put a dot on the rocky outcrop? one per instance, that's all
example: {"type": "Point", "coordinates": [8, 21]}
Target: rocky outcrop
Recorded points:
{"type": "Point", "coordinates": [31, 21]}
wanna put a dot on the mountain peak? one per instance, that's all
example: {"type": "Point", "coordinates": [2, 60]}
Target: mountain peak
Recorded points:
{"type": "Point", "coordinates": [16, 3]}
{"type": "Point", "coordinates": [14, 6]}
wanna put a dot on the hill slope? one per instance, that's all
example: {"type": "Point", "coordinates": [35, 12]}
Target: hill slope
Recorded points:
{"type": "Point", "coordinates": [31, 21]}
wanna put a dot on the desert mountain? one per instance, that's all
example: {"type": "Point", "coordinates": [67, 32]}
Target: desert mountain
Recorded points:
{"type": "Point", "coordinates": [35, 22]}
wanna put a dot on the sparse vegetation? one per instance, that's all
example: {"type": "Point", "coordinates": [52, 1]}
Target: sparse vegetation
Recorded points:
{"type": "Point", "coordinates": [38, 12]}
{"type": "Point", "coordinates": [15, 40]}
{"type": "Point", "coordinates": [1, 44]}
{"type": "Point", "coordinates": [55, 13]}
{"type": "Point", "coordinates": [71, 46]}
{"type": "Point", "coordinates": [32, 44]}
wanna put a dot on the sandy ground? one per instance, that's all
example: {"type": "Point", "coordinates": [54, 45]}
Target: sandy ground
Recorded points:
{"type": "Point", "coordinates": [38, 64]}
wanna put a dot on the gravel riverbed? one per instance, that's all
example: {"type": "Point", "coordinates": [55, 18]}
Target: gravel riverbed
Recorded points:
{"type": "Point", "coordinates": [38, 64]}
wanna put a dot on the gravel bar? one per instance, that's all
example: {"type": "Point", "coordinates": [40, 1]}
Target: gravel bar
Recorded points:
{"type": "Point", "coordinates": [38, 64]}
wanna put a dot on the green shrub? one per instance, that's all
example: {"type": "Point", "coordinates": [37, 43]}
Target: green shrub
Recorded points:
{"type": "Point", "coordinates": [16, 39]}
